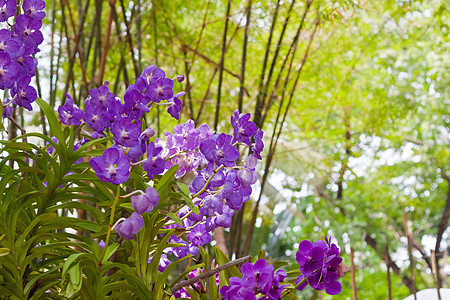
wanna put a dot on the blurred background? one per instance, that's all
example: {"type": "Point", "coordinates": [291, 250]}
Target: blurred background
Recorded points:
{"type": "Point", "coordinates": [353, 98]}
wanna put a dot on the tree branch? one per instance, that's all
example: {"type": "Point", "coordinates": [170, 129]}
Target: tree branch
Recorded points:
{"type": "Point", "coordinates": [211, 273]}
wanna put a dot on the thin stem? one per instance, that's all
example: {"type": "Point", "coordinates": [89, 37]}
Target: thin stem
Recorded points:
{"type": "Point", "coordinates": [111, 220]}
{"type": "Point", "coordinates": [207, 181]}
{"type": "Point", "coordinates": [131, 194]}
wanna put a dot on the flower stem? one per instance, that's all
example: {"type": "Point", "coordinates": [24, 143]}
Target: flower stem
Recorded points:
{"type": "Point", "coordinates": [111, 220]}
{"type": "Point", "coordinates": [207, 181]}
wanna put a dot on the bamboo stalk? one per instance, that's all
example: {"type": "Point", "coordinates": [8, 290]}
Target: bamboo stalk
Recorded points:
{"type": "Point", "coordinates": [386, 258]}
{"type": "Point", "coordinates": [112, 4]}
{"type": "Point", "coordinates": [353, 269]}
{"type": "Point", "coordinates": [271, 153]}
{"type": "Point", "coordinates": [244, 55]}
{"type": "Point", "coordinates": [435, 273]}
{"type": "Point", "coordinates": [411, 258]}
{"type": "Point", "coordinates": [258, 108]}
{"type": "Point", "coordinates": [222, 61]}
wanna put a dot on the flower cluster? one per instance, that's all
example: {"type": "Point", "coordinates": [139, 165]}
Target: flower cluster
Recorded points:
{"type": "Point", "coordinates": [18, 44]}
{"type": "Point", "coordinates": [320, 265]}
{"type": "Point", "coordinates": [221, 185]}
{"type": "Point", "coordinates": [257, 279]}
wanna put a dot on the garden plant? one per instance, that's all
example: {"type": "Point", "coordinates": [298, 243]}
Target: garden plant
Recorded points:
{"type": "Point", "coordinates": [149, 204]}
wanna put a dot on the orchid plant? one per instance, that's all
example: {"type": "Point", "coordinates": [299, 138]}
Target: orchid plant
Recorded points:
{"type": "Point", "coordinates": [151, 203]}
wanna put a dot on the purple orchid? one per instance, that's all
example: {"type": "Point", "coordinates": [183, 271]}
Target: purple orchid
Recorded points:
{"type": "Point", "coordinates": [161, 89]}
{"type": "Point", "coordinates": [175, 106]}
{"type": "Point", "coordinates": [8, 44]}
{"type": "Point", "coordinates": [101, 96]}
{"type": "Point", "coordinates": [243, 128]}
{"type": "Point", "coordinates": [153, 166]}
{"type": "Point", "coordinates": [94, 117]}
{"type": "Point", "coordinates": [130, 226]}
{"type": "Point", "coordinates": [113, 166]}
{"type": "Point", "coordinates": [125, 132]}
{"type": "Point", "coordinates": [218, 149]}
{"type": "Point", "coordinates": [27, 29]}
{"type": "Point", "coordinates": [34, 9]}
{"type": "Point", "coordinates": [258, 146]}
{"type": "Point", "coordinates": [69, 113]}
{"type": "Point", "coordinates": [321, 266]}
{"type": "Point", "coordinates": [198, 235]}
{"type": "Point", "coordinates": [23, 93]}
{"type": "Point", "coordinates": [7, 9]}
{"type": "Point", "coordinates": [145, 202]}
{"type": "Point", "coordinates": [8, 71]}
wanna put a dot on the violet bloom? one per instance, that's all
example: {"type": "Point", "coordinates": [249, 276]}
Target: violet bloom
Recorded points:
{"type": "Point", "coordinates": [130, 226]}
{"type": "Point", "coordinates": [23, 93]}
{"type": "Point", "coordinates": [125, 132]}
{"type": "Point", "coordinates": [94, 117]}
{"type": "Point", "coordinates": [113, 166]}
{"type": "Point", "coordinates": [275, 290]}
{"type": "Point", "coordinates": [145, 202]}
{"type": "Point", "coordinates": [198, 235]}
{"type": "Point", "coordinates": [150, 75]}
{"type": "Point", "coordinates": [27, 29]}
{"type": "Point", "coordinates": [7, 44]}
{"type": "Point", "coordinates": [134, 104]}
{"type": "Point", "coordinates": [156, 166]}
{"type": "Point", "coordinates": [175, 106]}
{"type": "Point", "coordinates": [101, 96]}
{"type": "Point", "coordinates": [161, 89]}
{"type": "Point", "coordinates": [243, 128]}
{"type": "Point", "coordinates": [7, 111]}
{"type": "Point", "coordinates": [260, 273]}
{"type": "Point", "coordinates": [311, 257]}
{"type": "Point", "coordinates": [34, 9]}
{"type": "Point", "coordinates": [8, 71]}
{"type": "Point", "coordinates": [238, 289]}
{"type": "Point", "coordinates": [321, 266]}
{"type": "Point", "coordinates": [218, 149]}
{"type": "Point", "coordinates": [224, 218]}
{"type": "Point", "coordinates": [26, 63]}
{"type": "Point", "coordinates": [258, 146]}
{"type": "Point", "coordinates": [247, 175]}
{"type": "Point", "coordinates": [7, 9]}
{"type": "Point", "coordinates": [69, 113]}
{"type": "Point", "coordinates": [164, 262]}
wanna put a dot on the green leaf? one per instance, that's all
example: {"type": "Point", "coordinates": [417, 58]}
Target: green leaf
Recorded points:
{"type": "Point", "coordinates": [163, 183]}
{"type": "Point", "coordinates": [110, 251]}
{"type": "Point", "coordinates": [175, 218]}
{"type": "Point", "coordinates": [185, 193]}
{"type": "Point", "coordinates": [221, 259]}
{"type": "Point", "coordinates": [52, 120]}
